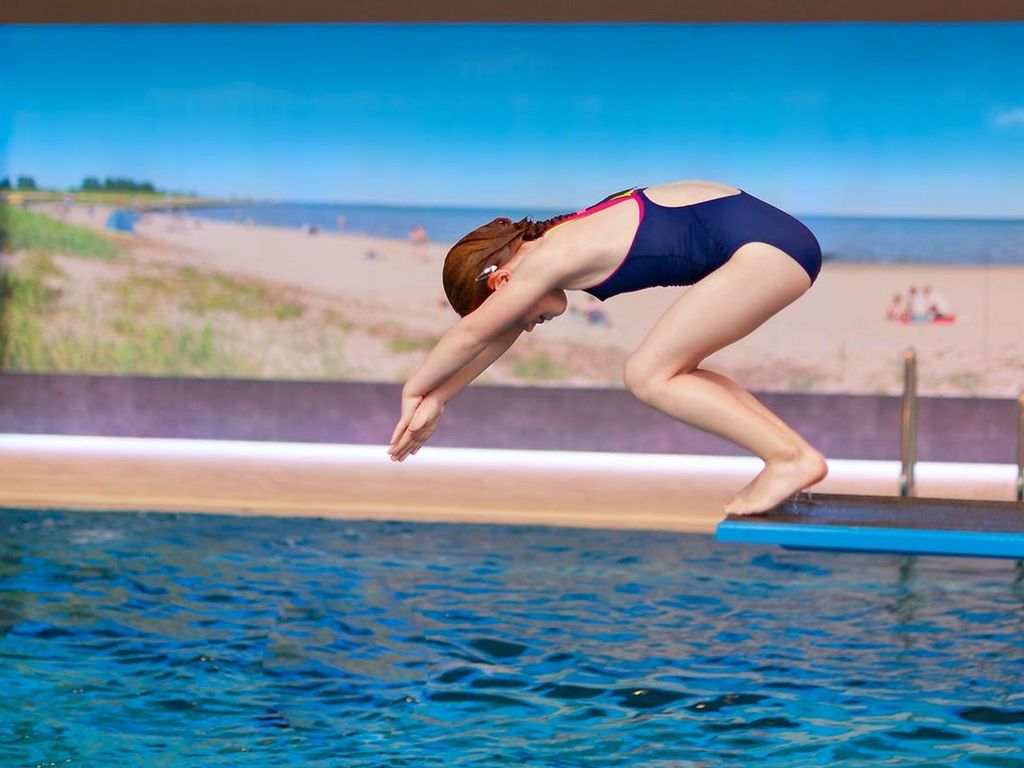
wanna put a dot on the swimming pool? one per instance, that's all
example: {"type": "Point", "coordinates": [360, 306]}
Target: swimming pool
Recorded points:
{"type": "Point", "coordinates": [164, 639]}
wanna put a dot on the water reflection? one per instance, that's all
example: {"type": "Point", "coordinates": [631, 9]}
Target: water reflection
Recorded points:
{"type": "Point", "coordinates": [213, 640]}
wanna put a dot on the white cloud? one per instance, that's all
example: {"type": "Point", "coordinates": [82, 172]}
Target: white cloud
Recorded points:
{"type": "Point", "coordinates": [1013, 116]}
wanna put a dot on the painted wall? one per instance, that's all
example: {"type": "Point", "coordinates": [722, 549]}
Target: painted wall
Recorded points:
{"type": "Point", "coordinates": [274, 202]}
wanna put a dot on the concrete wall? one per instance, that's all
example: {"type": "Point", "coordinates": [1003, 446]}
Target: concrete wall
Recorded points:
{"type": "Point", "coordinates": [843, 426]}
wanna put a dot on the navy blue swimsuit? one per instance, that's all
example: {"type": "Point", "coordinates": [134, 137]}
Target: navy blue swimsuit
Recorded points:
{"type": "Point", "coordinates": [678, 245]}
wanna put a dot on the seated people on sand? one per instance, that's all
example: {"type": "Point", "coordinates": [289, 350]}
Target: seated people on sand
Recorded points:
{"type": "Point", "coordinates": [924, 305]}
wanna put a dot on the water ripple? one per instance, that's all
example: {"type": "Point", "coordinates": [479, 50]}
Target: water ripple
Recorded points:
{"type": "Point", "coordinates": [173, 639]}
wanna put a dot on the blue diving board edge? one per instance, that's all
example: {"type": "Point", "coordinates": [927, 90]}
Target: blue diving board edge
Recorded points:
{"type": "Point", "coordinates": [885, 524]}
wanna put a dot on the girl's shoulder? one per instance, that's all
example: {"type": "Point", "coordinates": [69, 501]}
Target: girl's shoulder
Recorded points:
{"type": "Point", "coordinates": [572, 255]}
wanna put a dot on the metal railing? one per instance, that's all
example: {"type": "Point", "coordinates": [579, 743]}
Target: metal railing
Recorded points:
{"type": "Point", "coordinates": [908, 430]}
{"type": "Point", "coordinates": [908, 426]}
{"type": "Point", "coordinates": [1020, 448]}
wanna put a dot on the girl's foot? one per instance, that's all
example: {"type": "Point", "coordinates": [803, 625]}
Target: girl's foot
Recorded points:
{"type": "Point", "coordinates": [779, 479]}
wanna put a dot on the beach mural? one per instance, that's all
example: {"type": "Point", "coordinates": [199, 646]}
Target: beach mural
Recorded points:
{"type": "Point", "coordinates": [276, 201]}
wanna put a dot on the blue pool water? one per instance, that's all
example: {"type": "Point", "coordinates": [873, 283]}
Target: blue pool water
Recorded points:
{"type": "Point", "coordinates": [135, 639]}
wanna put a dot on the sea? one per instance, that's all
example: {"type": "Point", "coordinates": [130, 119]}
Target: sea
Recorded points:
{"type": "Point", "coordinates": [979, 242]}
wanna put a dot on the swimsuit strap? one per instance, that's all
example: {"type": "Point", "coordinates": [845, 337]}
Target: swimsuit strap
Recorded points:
{"type": "Point", "coordinates": [609, 201]}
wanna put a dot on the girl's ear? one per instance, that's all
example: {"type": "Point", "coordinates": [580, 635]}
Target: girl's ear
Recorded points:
{"type": "Point", "coordinates": [498, 279]}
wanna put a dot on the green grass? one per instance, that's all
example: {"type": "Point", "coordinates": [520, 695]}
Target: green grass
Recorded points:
{"type": "Point", "coordinates": [22, 230]}
{"type": "Point", "coordinates": [335, 319]}
{"type": "Point", "coordinates": [95, 344]}
{"type": "Point", "coordinates": [151, 348]}
{"type": "Point", "coordinates": [804, 382]}
{"type": "Point", "coordinates": [401, 345]}
{"type": "Point", "coordinates": [540, 366]}
{"type": "Point", "coordinates": [968, 381]}
{"type": "Point", "coordinates": [200, 293]}
{"type": "Point", "coordinates": [127, 333]}
{"type": "Point", "coordinates": [332, 355]}
{"type": "Point", "coordinates": [104, 197]}
{"type": "Point", "coordinates": [287, 311]}
{"type": "Point", "coordinates": [26, 300]}
{"type": "Point", "coordinates": [210, 293]}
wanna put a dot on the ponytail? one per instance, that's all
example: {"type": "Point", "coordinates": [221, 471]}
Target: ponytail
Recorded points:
{"type": "Point", "coordinates": [491, 245]}
{"type": "Point", "coordinates": [533, 230]}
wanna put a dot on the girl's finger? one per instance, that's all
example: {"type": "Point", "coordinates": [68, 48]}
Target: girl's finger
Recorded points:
{"type": "Point", "coordinates": [409, 408]}
{"type": "Point", "coordinates": [403, 443]}
{"type": "Point", "coordinates": [398, 444]}
{"type": "Point", "coordinates": [402, 424]}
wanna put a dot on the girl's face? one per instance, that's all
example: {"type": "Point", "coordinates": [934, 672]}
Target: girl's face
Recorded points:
{"type": "Point", "coordinates": [550, 305]}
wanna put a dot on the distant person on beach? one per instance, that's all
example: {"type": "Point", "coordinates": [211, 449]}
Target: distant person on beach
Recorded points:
{"type": "Point", "coordinates": [938, 307]}
{"type": "Point", "coordinates": [341, 221]}
{"type": "Point", "coordinates": [597, 316]}
{"type": "Point", "coordinates": [746, 260]}
{"type": "Point", "coordinates": [594, 315]}
{"type": "Point", "coordinates": [590, 315]}
{"type": "Point", "coordinates": [917, 307]}
{"type": "Point", "coordinates": [896, 310]}
{"type": "Point", "coordinates": [418, 235]}
{"type": "Point", "coordinates": [418, 238]}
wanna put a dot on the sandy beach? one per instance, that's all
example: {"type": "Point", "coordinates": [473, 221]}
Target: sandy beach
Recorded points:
{"type": "Point", "coordinates": [373, 306]}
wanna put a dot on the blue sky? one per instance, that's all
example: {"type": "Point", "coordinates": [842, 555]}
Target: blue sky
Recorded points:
{"type": "Point", "coordinates": [921, 119]}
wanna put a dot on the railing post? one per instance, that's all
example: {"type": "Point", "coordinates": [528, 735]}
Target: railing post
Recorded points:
{"type": "Point", "coordinates": [1020, 448]}
{"type": "Point", "coordinates": [908, 426]}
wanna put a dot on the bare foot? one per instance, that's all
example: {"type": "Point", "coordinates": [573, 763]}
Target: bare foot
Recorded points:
{"type": "Point", "coordinates": [777, 481]}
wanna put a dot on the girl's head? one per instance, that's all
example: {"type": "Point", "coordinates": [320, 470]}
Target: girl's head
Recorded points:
{"type": "Point", "coordinates": [469, 262]}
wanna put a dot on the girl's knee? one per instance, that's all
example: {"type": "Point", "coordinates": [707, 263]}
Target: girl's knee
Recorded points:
{"type": "Point", "coordinates": [637, 376]}
{"type": "Point", "coordinates": [644, 379]}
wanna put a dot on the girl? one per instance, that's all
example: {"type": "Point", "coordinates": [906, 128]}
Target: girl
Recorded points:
{"type": "Point", "coordinates": [745, 259]}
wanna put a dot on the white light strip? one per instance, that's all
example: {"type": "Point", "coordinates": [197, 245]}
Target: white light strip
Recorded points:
{"type": "Point", "coordinates": [480, 457]}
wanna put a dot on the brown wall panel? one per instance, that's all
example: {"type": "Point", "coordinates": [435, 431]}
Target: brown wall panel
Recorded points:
{"type": "Point", "coordinates": [264, 11]}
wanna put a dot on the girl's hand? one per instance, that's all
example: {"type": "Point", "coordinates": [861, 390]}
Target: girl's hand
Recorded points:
{"type": "Point", "coordinates": [409, 405]}
{"type": "Point", "coordinates": [420, 417]}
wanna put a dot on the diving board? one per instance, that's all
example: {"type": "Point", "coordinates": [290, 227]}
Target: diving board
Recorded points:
{"type": "Point", "coordinates": [895, 524]}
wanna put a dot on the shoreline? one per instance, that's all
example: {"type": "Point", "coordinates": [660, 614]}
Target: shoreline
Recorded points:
{"type": "Point", "coordinates": [52, 207]}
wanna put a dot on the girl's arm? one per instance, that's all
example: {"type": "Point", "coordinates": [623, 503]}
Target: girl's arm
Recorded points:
{"type": "Point", "coordinates": [468, 347]}
{"type": "Point", "coordinates": [421, 414]}
{"type": "Point", "coordinates": [461, 378]}
{"type": "Point", "coordinates": [502, 312]}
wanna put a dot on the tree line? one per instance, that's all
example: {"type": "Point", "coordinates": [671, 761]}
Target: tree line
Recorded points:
{"type": "Point", "coordinates": [89, 184]}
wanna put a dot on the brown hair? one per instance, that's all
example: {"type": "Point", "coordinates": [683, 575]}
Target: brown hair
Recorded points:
{"type": "Point", "coordinates": [492, 244]}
